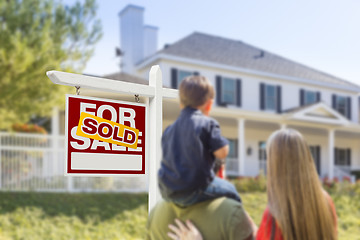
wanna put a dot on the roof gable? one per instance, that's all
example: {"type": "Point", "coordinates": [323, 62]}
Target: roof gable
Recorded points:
{"type": "Point", "coordinates": [319, 113]}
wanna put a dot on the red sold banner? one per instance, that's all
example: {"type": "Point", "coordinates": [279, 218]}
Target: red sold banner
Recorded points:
{"type": "Point", "coordinates": [104, 137]}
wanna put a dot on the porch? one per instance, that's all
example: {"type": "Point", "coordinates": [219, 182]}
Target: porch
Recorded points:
{"type": "Point", "coordinates": [333, 140]}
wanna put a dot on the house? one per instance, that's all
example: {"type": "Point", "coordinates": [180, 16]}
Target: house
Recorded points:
{"type": "Point", "coordinates": [258, 92]}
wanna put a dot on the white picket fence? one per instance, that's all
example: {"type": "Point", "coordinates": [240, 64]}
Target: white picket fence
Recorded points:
{"type": "Point", "coordinates": [35, 162]}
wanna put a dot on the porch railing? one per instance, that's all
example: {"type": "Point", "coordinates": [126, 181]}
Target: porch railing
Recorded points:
{"type": "Point", "coordinates": [343, 172]}
{"type": "Point", "coordinates": [34, 162]}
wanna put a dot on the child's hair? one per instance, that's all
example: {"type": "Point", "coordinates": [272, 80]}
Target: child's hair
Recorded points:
{"type": "Point", "coordinates": [194, 91]}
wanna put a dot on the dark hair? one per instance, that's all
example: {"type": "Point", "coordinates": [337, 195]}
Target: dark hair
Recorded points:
{"type": "Point", "coordinates": [194, 91]}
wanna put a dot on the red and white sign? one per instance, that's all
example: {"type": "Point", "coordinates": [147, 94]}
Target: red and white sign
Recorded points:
{"type": "Point", "coordinates": [107, 120]}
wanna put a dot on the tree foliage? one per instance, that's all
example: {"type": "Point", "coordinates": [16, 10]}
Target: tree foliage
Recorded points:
{"type": "Point", "coordinates": [37, 36]}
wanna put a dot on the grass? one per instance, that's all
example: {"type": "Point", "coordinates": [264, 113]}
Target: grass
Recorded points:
{"type": "Point", "coordinates": [119, 216]}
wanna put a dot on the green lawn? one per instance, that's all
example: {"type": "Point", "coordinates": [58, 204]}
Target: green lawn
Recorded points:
{"type": "Point", "coordinates": [118, 216]}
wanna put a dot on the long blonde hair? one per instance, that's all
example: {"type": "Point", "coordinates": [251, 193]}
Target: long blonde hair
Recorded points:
{"type": "Point", "coordinates": [295, 195]}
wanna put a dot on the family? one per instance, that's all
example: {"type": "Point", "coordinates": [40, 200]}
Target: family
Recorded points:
{"type": "Point", "coordinates": [198, 205]}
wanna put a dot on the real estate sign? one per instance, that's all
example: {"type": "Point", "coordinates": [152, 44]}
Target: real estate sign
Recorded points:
{"type": "Point", "coordinates": [104, 137]}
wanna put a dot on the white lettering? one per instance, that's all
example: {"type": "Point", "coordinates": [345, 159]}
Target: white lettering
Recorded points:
{"type": "Point", "coordinates": [85, 106]}
{"type": "Point", "coordinates": [130, 119]}
{"type": "Point", "coordinates": [116, 147]}
{"type": "Point", "coordinates": [97, 143]}
{"type": "Point", "coordinates": [76, 145]}
{"type": "Point", "coordinates": [102, 108]}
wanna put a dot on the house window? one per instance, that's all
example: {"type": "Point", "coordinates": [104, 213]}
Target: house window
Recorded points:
{"type": "Point", "coordinates": [342, 157]}
{"type": "Point", "coordinates": [228, 95]}
{"type": "Point", "coordinates": [270, 97]}
{"type": "Point", "coordinates": [232, 163]}
{"type": "Point", "coordinates": [178, 75]}
{"type": "Point", "coordinates": [232, 149]}
{"type": "Point", "coordinates": [182, 74]}
{"type": "Point", "coordinates": [310, 97]}
{"type": "Point", "coordinates": [341, 105]}
{"type": "Point", "coordinates": [262, 156]}
{"type": "Point", "coordinates": [228, 91]}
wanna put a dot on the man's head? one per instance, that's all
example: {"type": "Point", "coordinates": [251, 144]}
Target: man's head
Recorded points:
{"type": "Point", "coordinates": [196, 92]}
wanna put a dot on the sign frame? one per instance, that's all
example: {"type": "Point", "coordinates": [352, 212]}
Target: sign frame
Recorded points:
{"type": "Point", "coordinates": [154, 93]}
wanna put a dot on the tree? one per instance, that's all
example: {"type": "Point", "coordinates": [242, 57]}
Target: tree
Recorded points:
{"type": "Point", "coordinates": [37, 36]}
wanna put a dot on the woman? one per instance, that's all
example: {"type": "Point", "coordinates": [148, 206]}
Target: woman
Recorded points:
{"type": "Point", "coordinates": [298, 207]}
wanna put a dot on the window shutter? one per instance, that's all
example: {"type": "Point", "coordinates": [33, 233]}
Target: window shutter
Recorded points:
{"type": "Point", "coordinates": [335, 155]}
{"type": "Point", "coordinates": [238, 92]}
{"type": "Point", "coordinates": [262, 96]}
{"type": "Point", "coordinates": [349, 108]}
{"type": "Point", "coordinates": [302, 97]}
{"type": "Point", "coordinates": [174, 78]}
{"type": "Point", "coordinates": [278, 99]}
{"type": "Point", "coordinates": [196, 73]}
{"type": "Point", "coordinates": [318, 96]}
{"type": "Point", "coordinates": [334, 101]}
{"type": "Point", "coordinates": [348, 155]}
{"type": "Point", "coordinates": [218, 90]}
{"type": "Point", "coordinates": [318, 162]}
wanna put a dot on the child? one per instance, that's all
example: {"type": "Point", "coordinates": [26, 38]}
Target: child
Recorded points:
{"type": "Point", "coordinates": [190, 146]}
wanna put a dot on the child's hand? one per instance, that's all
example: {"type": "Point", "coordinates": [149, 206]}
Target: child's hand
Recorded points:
{"type": "Point", "coordinates": [182, 232]}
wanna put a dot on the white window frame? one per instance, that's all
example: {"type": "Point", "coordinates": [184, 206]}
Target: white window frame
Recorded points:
{"type": "Point", "coordinates": [338, 153]}
{"type": "Point", "coordinates": [179, 79]}
{"type": "Point", "coordinates": [223, 79]}
{"type": "Point", "coordinates": [266, 97]}
{"type": "Point", "coordinates": [306, 102]}
{"type": "Point", "coordinates": [337, 107]}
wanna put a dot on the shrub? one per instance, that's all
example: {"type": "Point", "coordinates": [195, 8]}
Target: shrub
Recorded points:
{"type": "Point", "coordinates": [28, 128]}
{"type": "Point", "coordinates": [250, 184]}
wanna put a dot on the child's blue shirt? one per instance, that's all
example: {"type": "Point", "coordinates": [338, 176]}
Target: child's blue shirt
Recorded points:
{"type": "Point", "coordinates": [188, 146]}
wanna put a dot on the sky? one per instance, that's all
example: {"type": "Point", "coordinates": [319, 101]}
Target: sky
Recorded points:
{"type": "Point", "coordinates": [322, 34]}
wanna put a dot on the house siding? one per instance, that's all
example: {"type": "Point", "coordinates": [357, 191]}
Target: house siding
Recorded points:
{"type": "Point", "coordinates": [250, 87]}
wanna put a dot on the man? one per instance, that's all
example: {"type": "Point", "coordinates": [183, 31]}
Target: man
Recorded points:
{"type": "Point", "coordinates": [220, 218]}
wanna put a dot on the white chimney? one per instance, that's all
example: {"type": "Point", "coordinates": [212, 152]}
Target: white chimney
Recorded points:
{"type": "Point", "coordinates": [131, 36]}
{"type": "Point", "coordinates": [150, 40]}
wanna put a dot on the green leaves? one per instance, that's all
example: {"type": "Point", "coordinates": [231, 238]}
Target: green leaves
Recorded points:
{"type": "Point", "coordinates": [37, 36]}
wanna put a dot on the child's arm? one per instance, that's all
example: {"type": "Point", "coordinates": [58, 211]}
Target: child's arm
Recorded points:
{"type": "Point", "coordinates": [222, 152]}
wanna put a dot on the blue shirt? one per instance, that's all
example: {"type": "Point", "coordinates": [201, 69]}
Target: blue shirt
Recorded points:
{"type": "Point", "coordinates": [188, 147]}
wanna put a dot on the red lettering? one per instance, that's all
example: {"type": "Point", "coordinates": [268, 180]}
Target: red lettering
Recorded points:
{"type": "Point", "coordinates": [116, 134]}
{"type": "Point", "coordinates": [130, 133]}
{"type": "Point", "coordinates": [90, 126]}
{"type": "Point", "coordinates": [101, 130]}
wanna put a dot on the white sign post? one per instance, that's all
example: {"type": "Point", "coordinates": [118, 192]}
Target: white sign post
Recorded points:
{"type": "Point", "coordinates": [154, 93]}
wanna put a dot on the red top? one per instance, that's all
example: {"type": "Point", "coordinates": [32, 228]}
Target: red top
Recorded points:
{"type": "Point", "coordinates": [268, 220]}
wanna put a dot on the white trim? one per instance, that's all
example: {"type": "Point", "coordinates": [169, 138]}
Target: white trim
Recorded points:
{"type": "Point", "coordinates": [160, 56]}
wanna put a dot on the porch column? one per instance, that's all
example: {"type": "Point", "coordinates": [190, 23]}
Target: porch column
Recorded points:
{"type": "Point", "coordinates": [241, 146]}
{"type": "Point", "coordinates": [331, 153]}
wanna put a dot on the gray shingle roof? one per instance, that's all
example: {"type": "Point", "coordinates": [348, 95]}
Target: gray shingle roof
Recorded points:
{"type": "Point", "coordinates": [229, 52]}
